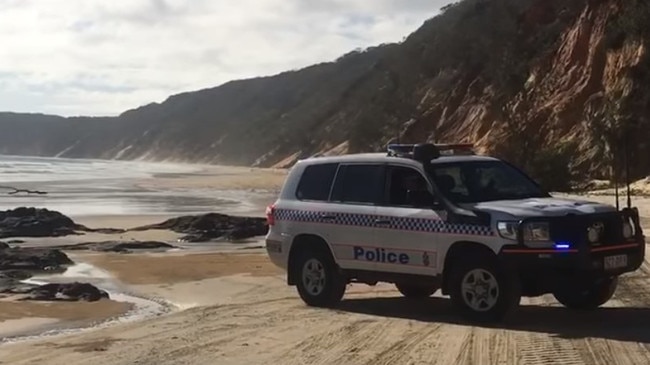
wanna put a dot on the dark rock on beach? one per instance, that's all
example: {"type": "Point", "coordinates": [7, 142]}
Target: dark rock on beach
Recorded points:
{"type": "Point", "coordinates": [37, 222]}
{"type": "Point", "coordinates": [103, 230]}
{"type": "Point", "coordinates": [70, 292]}
{"type": "Point", "coordinates": [18, 264]}
{"type": "Point", "coordinates": [201, 228]}
{"type": "Point", "coordinates": [10, 282]}
{"type": "Point", "coordinates": [67, 292]}
{"type": "Point", "coordinates": [15, 274]}
{"type": "Point", "coordinates": [33, 222]}
{"type": "Point", "coordinates": [33, 259]}
{"type": "Point", "coordinates": [119, 246]}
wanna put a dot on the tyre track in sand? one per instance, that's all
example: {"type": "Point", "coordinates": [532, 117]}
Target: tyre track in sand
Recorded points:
{"type": "Point", "coordinates": [545, 349]}
{"type": "Point", "coordinates": [587, 338]}
{"type": "Point", "coordinates": [408, 347]}
{"type": "Point", "coordinates": [344, 343]}
{"type": "Point", "coordinates": [634, 292]}
{"type": "Point", "coordinates": [486, 346]}
{"type": "Point", "coordinates": [380, 327]}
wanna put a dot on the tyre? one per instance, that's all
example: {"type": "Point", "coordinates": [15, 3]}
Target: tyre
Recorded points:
{"type": "Point", "coordinates": [481, 290]}
{"type": "Point", "coordinates": [416, 291]}
{"type": "Point", "coordinates": [589, 297]}
{"type": "Point", "coordinates": [320, 283]}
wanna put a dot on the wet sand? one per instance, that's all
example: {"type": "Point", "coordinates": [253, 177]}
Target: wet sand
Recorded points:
{"type": "Point", "coordinates": [218, 177]}
{"type": "Point", "coordinates": [76, 311]}
{"type": "Point", "coordinates": [187, 279]}
{"type": "Point", "coordinates": [173, 268]}
{"type": "Point", "coordinates": [27, 318]}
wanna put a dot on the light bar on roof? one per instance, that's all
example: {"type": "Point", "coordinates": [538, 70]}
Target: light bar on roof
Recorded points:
{"type": "Point", "coordinates": [456, 149]}
{"type": "Point", "coordinates": [396, 149]}
{"type": "Point", "coordinates": [406, 150]}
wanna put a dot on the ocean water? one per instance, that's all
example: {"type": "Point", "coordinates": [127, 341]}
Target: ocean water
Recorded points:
{"type": "Point", "coordinates": [84, 187]}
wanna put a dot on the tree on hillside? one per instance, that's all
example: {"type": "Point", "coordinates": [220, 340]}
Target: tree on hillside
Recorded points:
{"type": "Point", "coordinates": [520, 140]}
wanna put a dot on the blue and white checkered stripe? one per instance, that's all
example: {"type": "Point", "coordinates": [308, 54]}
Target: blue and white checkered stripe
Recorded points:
{"type": "Point", "coordinates": [398, 223]}
{"type": "Point", "coordinates": [361, 220]}
{"type": "Point", "coordinates": [297, 215]}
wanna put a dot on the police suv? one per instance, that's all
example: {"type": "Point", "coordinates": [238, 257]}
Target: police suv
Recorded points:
{"type": "Point", "coordinates": [427, 217]}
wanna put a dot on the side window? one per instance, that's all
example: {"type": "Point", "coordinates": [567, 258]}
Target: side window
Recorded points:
{"type": "Point", "coordinates": [316, 182]}
{"type": "Point", "coordinates": [451, 183]}
{"type": "Point", "coordinates": [359, 184]}
{"type": "Point", "coordinates": [407, 188]}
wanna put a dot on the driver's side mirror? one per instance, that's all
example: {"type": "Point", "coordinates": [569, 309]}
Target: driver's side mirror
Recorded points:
{"type": "Point", "coordinates": [422, 198]}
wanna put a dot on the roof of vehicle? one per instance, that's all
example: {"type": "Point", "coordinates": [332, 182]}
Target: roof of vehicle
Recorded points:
{"type": "Point", "coordinates": [382, 157]}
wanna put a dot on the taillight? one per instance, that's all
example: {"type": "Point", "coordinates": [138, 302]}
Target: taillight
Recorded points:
{"type": "Point", "coordinates": [270, 218]}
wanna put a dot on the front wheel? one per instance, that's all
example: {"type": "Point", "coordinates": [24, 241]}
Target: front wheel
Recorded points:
{"type": "Point", "coordinates": [319, 282]}
{"type": "Point", "coordinates": [589, 297]}
{"type": "Point", "coordinates": [483, 291]}
{"type": "Point", "coordinates": [416, 291]}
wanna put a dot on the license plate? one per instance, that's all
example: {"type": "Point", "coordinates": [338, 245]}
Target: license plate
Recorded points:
{"type": "Point", "coordinates": [615, 262]}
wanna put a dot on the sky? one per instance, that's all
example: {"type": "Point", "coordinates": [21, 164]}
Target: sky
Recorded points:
{"type": "Point", "coordinates": [98, 57]}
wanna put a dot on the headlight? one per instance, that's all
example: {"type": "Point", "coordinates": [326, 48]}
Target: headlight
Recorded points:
{"type": "Point", "coordinates": [536, 231]}
{"type": "Point", "coordinates": [628, 230]}
{"type": "Point", "coordinates": [595, 232]}
{"type": "Point", "coordinates": [508, 229]}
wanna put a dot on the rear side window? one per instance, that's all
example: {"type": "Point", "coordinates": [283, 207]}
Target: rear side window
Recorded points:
{"type": "Point", "coordinates": [316, 182]}
{"type": "Point", "coordinates": [359, 184]}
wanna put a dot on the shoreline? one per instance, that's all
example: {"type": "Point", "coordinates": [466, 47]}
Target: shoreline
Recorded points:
{"type": "Point", "coordinates": [244, 192]}
{"type": "Point", "coordinates": [149, 297]}
{"type": "Point", "coordinates": [149, 292]}
{"type": "Point", "coordinates": [74, 317]}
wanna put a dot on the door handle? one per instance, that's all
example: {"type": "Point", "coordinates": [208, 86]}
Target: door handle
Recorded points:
{"type": "Point", "coordinates": [382, 222]}
{"type": "Point", "coordinates": [327, 217]}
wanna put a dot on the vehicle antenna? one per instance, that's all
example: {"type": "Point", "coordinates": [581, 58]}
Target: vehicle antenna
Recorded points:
{"type": "Point", "coordinates": [627, 169]}
{"type": "Point", "coordinates": [615, 172]}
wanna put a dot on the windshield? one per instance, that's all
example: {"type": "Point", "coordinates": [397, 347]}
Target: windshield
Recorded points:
{"type": "Point", "coordinates": [482, 181]}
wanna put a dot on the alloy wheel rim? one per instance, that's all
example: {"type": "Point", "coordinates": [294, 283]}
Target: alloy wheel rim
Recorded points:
{"type": "Point", "coordinates": [480, 290]}
{"type": "Point", "coordinates": [313, 277]}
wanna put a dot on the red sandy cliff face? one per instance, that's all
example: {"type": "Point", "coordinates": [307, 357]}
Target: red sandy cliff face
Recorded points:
{"type": "Point", "coordinates": [564, 93]}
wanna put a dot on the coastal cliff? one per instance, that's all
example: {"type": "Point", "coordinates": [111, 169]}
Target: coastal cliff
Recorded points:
{"type": "Point", "coordinates": [551, 85]}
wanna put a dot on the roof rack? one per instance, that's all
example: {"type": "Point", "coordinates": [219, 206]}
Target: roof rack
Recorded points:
{"type": "Point", "coordinates": [408, 150]}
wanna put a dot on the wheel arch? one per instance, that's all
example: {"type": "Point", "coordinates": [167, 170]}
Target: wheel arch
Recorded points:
{"type": "Point", "coordinates": [299, 244]}
{"type": "Point", "coordinates": [455, 252]}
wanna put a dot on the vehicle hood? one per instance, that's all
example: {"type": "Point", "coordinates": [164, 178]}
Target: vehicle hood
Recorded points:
{"type": "Point", "coordinates": [541, 207]}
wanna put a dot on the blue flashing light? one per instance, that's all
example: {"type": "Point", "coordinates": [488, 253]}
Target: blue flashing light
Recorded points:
{"type": "Point", "coordinates": [562, 245]}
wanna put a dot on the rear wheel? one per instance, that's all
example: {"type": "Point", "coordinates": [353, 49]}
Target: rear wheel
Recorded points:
{"type": "Point", "coordinates": [416, 290]}
{"type": "Point", "coordinates": [587, 297]}
{"type": "Point", "coordinates": [482, 290]}
{"type": "Point", "coordinates": [320, 283]}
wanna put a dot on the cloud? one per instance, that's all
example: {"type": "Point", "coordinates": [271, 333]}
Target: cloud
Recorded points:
{"type": "Point", "coordinates": [95, 57]}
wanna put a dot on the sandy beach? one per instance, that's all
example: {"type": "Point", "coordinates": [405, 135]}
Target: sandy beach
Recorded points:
{"type": "Point", "coordinates": [147, 275]}
{"type": "Point", "coordinates": [225, 303]}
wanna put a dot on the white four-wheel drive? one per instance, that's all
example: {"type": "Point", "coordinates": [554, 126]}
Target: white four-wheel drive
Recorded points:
{"type": "Point", "coordinates": [428, 217]}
